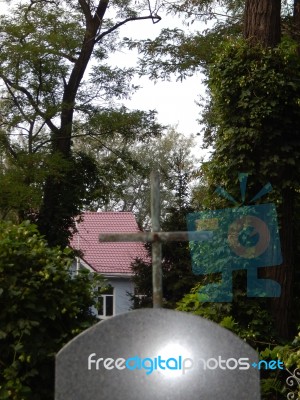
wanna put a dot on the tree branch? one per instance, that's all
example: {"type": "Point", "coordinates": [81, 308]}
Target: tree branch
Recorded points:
{"type": "Point", "coordinates": [86, 11]}
{"type": "Point", "coordinates": [4, 140]}
{"type": "Point", "coordinates": [39, 130]}
{"type": "Point", "coordinates": [40, 145]}
{"type": "Point", "coordinates": [48, 121]}
{"type": "Point", "coordinates": [153, 17]}
{"type": "Point", "coordinates": [65, 55]}
{"type": "Point", "coordinates": [15, 100]}
{"type": "Point", "coordinates": [102, 6]}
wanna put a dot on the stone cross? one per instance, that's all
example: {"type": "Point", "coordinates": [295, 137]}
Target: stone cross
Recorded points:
{"type": "Point", "coordinates": [156, 237]}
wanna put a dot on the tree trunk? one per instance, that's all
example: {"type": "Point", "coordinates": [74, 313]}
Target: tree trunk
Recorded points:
{"type": "Point", "coordinates": [282, 306]}
{"type": "Point", "coordinates": [284, 274]}
{"type": "Point", "coordinates": [262, 22]}
{"type": "Point", "coordinates": [296, 27]}
{"type": "Point", "coordinates": [262, 27]}
{"type": "Point", "coordinates": [297, 15]}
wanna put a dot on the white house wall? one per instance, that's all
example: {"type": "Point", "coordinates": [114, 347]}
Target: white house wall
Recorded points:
{"type": "Point", "coordinates": [122, 286]}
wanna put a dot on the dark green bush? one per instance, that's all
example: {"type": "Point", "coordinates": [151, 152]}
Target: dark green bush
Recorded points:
{"type": "Point", "coordinates": [41, 308]}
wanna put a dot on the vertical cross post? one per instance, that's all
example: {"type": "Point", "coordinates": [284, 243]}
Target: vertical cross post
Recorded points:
{"type": "Point", "coordinates": [156, 244]}
{"type": "Point", "coordinates": [156, 236]}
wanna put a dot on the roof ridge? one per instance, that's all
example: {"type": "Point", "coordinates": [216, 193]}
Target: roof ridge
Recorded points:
{"type": "Point", "coordinates": [107, 212]}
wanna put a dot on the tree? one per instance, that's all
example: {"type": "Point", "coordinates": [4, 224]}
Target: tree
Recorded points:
{"type": "Point", "coordinates": [251, 118]}
{"type": "Point", "coordinates": [262, 22]}
{"type": "Point", "coordinates": [46, 47]}
{"type": "Point", "coordinates": [266, 130]}
{"type": "Point", "coordinates": [178, 277]}
{"type": "Point", "coordinates": [270, 37]}
{"type": "Point", "coordinates": [125, 161]}
{"type": "Point", "coordinates": [176, 263]}
{"type": "Point", "coordinates": [42, 307]}
{"type": "Point", "coordinates": [101, 151]}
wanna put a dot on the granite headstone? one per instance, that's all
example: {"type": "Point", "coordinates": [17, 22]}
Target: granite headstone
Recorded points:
{"type": "Point", "coordinates": [156, 354]}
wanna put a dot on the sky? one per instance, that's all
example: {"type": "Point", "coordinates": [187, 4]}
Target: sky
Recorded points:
{"type": "Point", "coordinates": [174, 101]}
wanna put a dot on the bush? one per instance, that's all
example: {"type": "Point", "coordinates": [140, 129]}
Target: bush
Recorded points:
{"type": "Point", "coordinates": [41, 308]}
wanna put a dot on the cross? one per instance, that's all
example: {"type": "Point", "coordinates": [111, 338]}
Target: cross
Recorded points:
{"type": "Point", "coordinates": [156, 237]}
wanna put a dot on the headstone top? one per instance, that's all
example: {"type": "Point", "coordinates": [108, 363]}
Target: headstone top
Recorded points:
{"type": "Point", "coordinates": [156, 353]}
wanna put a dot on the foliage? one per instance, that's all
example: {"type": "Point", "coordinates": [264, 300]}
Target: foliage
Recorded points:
{"type": "Point", "coordinates": [289, 353]}
{"type": "Point", "coordinates": [125, 160]}
{"type": "Point", "coordinates": [41, 308]}
{"type": "Point", "coordinates": [92, 174]}
{"type": "Point", "coordinates": [255, 101]}
{"type": "Point", "coordinates": [172, 52]}
{"type": "Point", "coordinates": [120, 142]}
{"type": "Point", "coordinates": [246, 317]}
{"type": "Point", "coordinates": [176, 264]}
{"type": "Point", "coordinates": [175, 52]}
{"type": "Point", "coordinates": [47, 90]}
{"type": "Point", "coordinates": [253, 117]}
{"type": "Point", "coordinates": [250, 320]}
{"type": "Point", "coordinates": [251, 121]}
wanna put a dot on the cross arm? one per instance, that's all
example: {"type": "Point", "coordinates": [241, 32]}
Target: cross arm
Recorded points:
{"type": "Point", "coordinates": [155, 236]}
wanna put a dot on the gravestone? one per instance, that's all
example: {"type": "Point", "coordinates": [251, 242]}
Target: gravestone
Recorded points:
{"type": "Point", "coordinates": [157, 354]}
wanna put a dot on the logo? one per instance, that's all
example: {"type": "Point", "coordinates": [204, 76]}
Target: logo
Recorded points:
{"type": "Point", "coordinates": [245, 237]}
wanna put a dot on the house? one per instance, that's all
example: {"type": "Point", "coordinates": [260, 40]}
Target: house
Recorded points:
{"type": "Point", "coordinates": [112, 260]}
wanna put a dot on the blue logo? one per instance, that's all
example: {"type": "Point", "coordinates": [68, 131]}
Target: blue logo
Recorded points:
{"type": "Point", "coordinates": [238, 238]}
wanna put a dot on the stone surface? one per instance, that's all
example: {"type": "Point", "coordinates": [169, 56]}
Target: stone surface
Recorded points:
{"type": "Point", "coordinates": [207, 357]}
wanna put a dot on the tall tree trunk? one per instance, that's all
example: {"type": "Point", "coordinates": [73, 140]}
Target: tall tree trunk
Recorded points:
{"type": "Point", "coordinates": [262, 22]}
{"type": "Point", "coordinates": [297, 15]}
{"type": "Point", "coordinates": [284, 274]}
{"type": "Point", "coordinates": [296, 27]}
{"type": "Point", "coordinates": [262, 27]}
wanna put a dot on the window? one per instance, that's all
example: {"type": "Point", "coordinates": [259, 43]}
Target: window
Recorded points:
{"type": "Point", "coordinates": [107, 303]}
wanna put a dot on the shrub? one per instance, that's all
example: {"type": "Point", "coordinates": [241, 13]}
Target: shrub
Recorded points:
{"type": "Point", "coordinates": [41, 308]}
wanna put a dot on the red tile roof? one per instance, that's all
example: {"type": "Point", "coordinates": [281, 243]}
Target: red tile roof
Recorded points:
{"type": "Point", "coordinates": [107, 258]}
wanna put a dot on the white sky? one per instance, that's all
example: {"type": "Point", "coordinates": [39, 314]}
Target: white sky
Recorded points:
{"type": "Point", "coordinates": [174, 101]}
